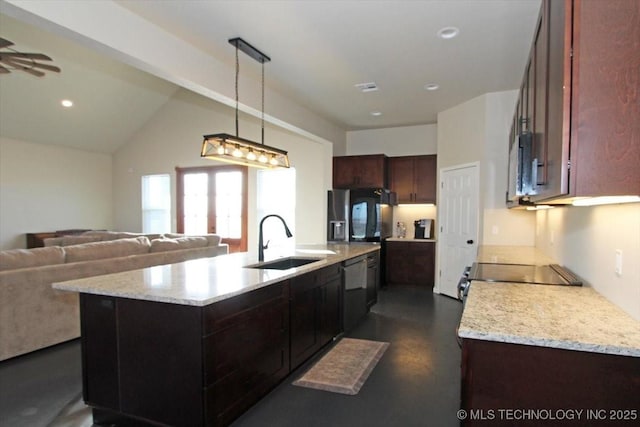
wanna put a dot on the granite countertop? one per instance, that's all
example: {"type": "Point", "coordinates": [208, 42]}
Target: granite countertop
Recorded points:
{"type": "Point", "coordinates": [204, 281]}
{"type": "Point", "coordinates": [513, 255]}
{"type": "Point", "coordinates": [565, 317]}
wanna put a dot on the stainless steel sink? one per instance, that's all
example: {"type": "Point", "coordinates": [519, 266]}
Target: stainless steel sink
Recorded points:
{"type": "Point", "coordinates": [284, 263]}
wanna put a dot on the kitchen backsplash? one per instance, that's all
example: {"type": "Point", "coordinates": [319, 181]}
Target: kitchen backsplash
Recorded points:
{"type": "Point", "coordinates": [410, 213]}
{"type": "Point", "coordinates": [586, 239]}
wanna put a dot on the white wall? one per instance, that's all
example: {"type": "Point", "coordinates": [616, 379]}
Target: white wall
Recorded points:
{"type": "Point", "coordinates": [173, 138]}
{"type": "Point", "coordinates": [396, 141]}
{"type": "Point", "coordinates": [48, 188]}
{"type": "Point", "coordinates": [585, 239]}
{"type": "Point", "coordinates": [478, 131]}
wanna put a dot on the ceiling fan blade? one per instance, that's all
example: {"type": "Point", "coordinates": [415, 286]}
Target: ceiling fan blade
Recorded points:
{"type": "Point", "coordinates": [4, 70]}
{"type": "Point", "coordinates": [39, 56]}
{"type": "Point", "coordinates": [5, 43]}
{"type": "Point", "coordinates": [31, 71]}
{"type": "Point", "coordinates": [32, 64]}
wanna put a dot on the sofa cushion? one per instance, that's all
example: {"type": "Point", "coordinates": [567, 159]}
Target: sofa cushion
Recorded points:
{"type": "Point", "coordinates": [23, 258]}
{"type": "Point", "coordinates": [77, 240]}
{"type": "Point", "coordinates": [186, 242]}
{"type": "Point", "coordinates": [52, 241]}
{"type": "Point", "coordinates": [108, 249]}
{"type": "Point", "coordinates": [213, 239]}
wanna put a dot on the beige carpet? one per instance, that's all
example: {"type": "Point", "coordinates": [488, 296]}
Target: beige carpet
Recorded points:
{"type": "Point", "coordinates": [345, 368]}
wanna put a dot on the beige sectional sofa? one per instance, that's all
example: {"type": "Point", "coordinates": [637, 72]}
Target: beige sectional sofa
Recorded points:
{"type": "Point", "coordinates": [33, 315]}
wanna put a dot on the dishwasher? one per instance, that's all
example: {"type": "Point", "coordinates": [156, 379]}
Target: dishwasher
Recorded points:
{"type": "Point", "coordinates": [355, 291]}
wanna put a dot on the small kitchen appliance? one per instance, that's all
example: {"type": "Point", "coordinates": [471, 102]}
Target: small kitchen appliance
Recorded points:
{"type": "Point", "coordinates": [423, 229]}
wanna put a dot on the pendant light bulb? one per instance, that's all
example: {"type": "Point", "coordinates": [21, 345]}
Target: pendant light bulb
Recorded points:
{"type": "Point", "coordinates": [273, 160]}
{"type": "Point", "coordinates": [221, 149]}
{"type": "Point", "coordinates": [251, 155]}
{"type": "Point", "coordinates": [262, 158]}
{"type": "Point", "coordinates": [237, 152]}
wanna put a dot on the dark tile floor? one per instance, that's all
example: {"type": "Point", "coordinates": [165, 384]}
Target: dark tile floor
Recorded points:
{"type": "Point", "coordinates": [416, 383]}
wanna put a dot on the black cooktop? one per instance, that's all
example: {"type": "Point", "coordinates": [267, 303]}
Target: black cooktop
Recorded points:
{"type": "Point", "coordinates": [520, 273]}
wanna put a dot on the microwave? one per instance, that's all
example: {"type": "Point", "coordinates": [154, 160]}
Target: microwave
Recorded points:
{"type": "Point", "coordinates": [522, 170]}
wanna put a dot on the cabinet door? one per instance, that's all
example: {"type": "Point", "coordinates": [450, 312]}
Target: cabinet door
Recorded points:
{"type": "Point", "coordinates": [422, 264]}
{"type": "Point", "coordinates": [540, 55]}
{"type": "Point", "coordinates": [345, 171]}
{"type": "Point", "coordinates": [373, 279]}
{"type": "Point", "coordinates": [397, 263]}
{"type": "Point", "coordinates": [558, 104]}
{"type": "Point", "coordinates": [372, 171]}
{"type": "Point", "coordinates": [99, 351]}
{"type": "Point", "coordinates": [605, 99]}
{"type": "Point", "coordinates": [401, 178]}
{"type": "Point", "coordinates": [425, 171]}
{"type": "Point", "coordinates": [160, 360]}
{"type": "Point", "coordinates": [330, 310]}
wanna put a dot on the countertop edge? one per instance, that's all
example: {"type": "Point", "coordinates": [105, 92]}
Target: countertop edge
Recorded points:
{"type": "Point", "coordinates": [333, 259]}
{"type": "Point", "coordinates": [551, 343]}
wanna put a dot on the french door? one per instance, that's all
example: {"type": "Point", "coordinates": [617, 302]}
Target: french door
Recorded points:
{"type": "Point", "coordinates": [213, 199]}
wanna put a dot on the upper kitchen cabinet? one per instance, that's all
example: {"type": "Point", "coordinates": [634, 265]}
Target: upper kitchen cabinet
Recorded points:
{"type": "Point", "coordinates": [587, 102]}
{"type": "Point", "coordinates": [369, 171]}
{"type": "Point", "coordinates": [413, 178]}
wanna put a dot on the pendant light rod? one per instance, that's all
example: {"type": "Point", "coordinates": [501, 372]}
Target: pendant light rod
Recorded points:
{"type": "Point", "coordinates": [249, 50]}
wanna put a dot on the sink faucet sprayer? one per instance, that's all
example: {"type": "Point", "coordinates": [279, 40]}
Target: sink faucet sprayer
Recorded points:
{"type": "Point", "coordinates": [262, 247]}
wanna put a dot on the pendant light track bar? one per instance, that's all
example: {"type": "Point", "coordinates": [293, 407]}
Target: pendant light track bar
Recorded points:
{"type": "Point", "coordinates": [249, 50]}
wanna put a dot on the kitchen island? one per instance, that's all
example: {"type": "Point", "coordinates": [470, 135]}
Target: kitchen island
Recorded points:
{"type": "Point", "coordinates": [198, 342]}
{"type": "Point", "coordinates": [546, 350]}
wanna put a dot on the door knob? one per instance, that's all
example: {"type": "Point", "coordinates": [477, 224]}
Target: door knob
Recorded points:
{"type": "Point", "coordinates": [469, 242]}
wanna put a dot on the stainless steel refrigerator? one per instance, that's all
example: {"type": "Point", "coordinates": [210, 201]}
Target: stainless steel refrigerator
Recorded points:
{"type": "Point", "coordinates": [361, 215]}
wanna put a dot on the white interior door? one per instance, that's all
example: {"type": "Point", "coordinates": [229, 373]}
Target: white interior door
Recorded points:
{"type": "Point", "coordinates": [458, 211]}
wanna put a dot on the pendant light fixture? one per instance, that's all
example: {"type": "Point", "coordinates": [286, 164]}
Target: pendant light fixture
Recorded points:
{"type": "Point", "coordinates": [233, 149]}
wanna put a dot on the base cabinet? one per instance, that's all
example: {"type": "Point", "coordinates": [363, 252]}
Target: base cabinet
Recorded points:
{"type": "Point", "coordinates": [501, 376]}
{"type": "Point", "coordinates": [174, 364]}
{"type": "Point", "coordinates": [410, 263]}
{"type": "Point", "coordinates": [315, 312]}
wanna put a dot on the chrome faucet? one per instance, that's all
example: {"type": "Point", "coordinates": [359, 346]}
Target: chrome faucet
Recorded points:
{"type": "Point", "coordinates": [261, 246]}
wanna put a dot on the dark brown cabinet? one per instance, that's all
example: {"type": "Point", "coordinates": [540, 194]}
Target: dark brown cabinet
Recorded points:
{"type": "Point", "coordinates": [183, 365]}
{"type": "Point", "coordinates": [315, 312]}
{"type": "Point", "coordinates": [373, 278]}
{"type": "Point", "coordinates": [368, 171]}
{"type": "Point", "coordinates": [413, 178]}
{"type": "Point", "coordinates": [580, 102]}
{"type": "Point", "coordinates": [501, 376]}
{"type": "Point", "coordinates": [410, 263]}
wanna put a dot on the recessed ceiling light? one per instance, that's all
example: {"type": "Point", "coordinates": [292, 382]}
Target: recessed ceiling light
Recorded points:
{"type": "Point", "coordinates": [431, 86]}
{"type": "Point", "coordinates": [67, 103]}
{"type": "Point", "coordinates": [448, 32]}
{"type": "Point", "coordinates": [376, 113]}
{"type": "Point", "coordinates": [367, 87]}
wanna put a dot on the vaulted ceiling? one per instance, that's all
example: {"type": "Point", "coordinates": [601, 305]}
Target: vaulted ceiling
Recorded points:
{"type": "Point", "coordinates": [320, 50]}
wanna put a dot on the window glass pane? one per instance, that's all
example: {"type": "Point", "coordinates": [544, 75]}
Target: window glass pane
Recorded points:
{"type": "Point", "coordinates": [277, 195]}
{"type": "Point", "coordinates": [196, 202]}
{"type": "Point", "coordinates": [156, 204]}
{"type": "Point", "coordinates": [229, 204]}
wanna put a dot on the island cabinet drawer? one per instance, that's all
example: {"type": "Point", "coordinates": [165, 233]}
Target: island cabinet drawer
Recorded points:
{"type": "Point", "coordinates": [244, 343]}
{"type": "Point", "coordinates": [222, 314]}
{"type": "Point", "coordinates": [332, 272]}
{"type": "Point", "coordinates": [236, 392]}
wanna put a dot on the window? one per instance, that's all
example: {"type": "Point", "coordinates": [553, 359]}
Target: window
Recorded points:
{"type": "Point", "coordinates": [213, 199]}
{"type": "Point", "coordinates": [156, 204]}
{"type": "Point", "coordinates": [277, 195]}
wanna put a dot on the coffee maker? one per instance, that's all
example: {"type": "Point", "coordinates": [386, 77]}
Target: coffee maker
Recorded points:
{"type": "Point", "coordinates": [423, 229]}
